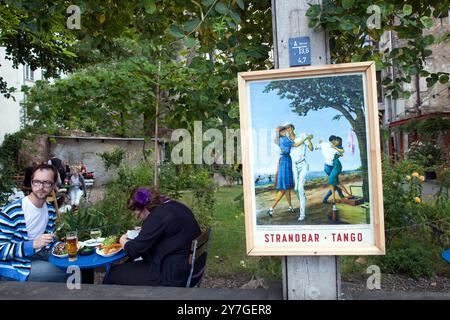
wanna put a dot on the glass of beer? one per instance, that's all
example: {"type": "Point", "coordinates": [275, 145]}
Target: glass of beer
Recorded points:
{"type": "Point", "coordinates": [72, 245]}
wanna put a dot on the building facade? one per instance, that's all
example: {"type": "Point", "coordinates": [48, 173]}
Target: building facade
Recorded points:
{"type": "Point", "coordinates": [11, 111]}
{"type": "Point", "coordinates": [424, 104]}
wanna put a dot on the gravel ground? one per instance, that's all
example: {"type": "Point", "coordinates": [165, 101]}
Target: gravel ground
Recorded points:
{"type": "Point", "coordinates": [395, 282]}
{"type": "Point", "coordinates": [355, 283]}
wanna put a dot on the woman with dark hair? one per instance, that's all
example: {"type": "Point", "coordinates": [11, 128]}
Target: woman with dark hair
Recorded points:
{"type": "Point", "coordinates": [333, 179]}
{"type": "Point", "coordinates": [163, 243]}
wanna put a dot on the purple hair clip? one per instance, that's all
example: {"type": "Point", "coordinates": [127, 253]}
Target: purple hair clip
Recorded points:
{"type": "Point", "coordinates": [142, 196]}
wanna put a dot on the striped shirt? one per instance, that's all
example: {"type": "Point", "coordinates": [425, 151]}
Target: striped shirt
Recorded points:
{"type": "Point", "coordinates": [16, 248]}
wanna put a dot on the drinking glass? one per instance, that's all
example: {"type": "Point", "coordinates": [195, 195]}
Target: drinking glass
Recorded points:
{"type": "Point", "coordinates": [72, 245]}
{"type": "Point", "coordinates": [96, 233]}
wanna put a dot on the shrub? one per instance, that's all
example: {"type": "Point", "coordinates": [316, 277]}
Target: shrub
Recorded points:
{"type": "Point", "coordinates": [204, 189]}
{"type": "Point", "coordinates": [411, 257]}
{"type": "Point", "coordinates": [426, 154]}
{"type": "Point", "coordinates": [113, 158]}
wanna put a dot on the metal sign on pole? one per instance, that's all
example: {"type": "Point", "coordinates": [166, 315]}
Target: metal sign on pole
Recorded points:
{"type": "Point", "coordinates": [310, 277]}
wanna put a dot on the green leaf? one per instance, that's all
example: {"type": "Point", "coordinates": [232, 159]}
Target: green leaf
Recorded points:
{"type": "Point", "coordinates": [427, 22]}
{"type": "Point", "coordinates": [407, 9]}
{"type": "Point", "coordinates": [207, 3]}
{"type": "Point", "coordinates": [356, 58]}
{"type": "Point", "coordinates": [221, 8]}
{"type": "Point", "coordinates": [347, 3]}
{"type": "Point", "coordinates": [189, 42]}
{"type": "Point", "coordinates": [176, 31]}
{"type": "Point", "coordinates": [241, 4]}
{"type": "Point", "coordinates": [313, 11]}
{"type": "Point", "coordinates": [241, 58]}
{"type": "Point", "coordinates": [406, 95]}
{"type": "Point", "coordinates": [428, 40]}
{"type": "Point", "coordinates": [235, 16]}
{"type": "Point", "coordinates": [191, 25]}
{"type": "Point", "coordinates": [312, 23]}
{"type": "Point", "coordinates": [150, 6]}
{"type": "Point", "coordinates": [444, 78]}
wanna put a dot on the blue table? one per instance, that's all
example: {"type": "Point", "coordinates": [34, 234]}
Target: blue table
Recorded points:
{"type": "Point", "coordinates": [446, 255]}
{"type": "Point", "coordinates": [87, 262]}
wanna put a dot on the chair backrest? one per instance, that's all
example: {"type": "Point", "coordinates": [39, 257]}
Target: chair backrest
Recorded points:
{"type": "Point", "coordinates": [197, 258]}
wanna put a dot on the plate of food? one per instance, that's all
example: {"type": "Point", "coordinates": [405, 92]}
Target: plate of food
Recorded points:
{"type": "Point", "coordinates": [109, 250]}
{"type": "Point", "coordinates": [109, 247]}
{"type": "Point", "coordinates": [94, 242]}
{"type": "Point", "coordinates": [60, 250]}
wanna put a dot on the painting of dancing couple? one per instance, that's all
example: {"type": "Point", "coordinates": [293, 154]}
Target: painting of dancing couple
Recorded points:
{"type": "Point", "coordinates": [311, 155]}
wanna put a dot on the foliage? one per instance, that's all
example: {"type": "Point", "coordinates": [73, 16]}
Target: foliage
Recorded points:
{"type": "Point", "coordinates": [351, 36]}
{"type": "Point", "coordinates": [9, 163]}
{"type": "Point", "coordinates": [172, 181]}
{"type": "Point", "coordinates": [204, 192]}
{"type": "Point", "coordinates": [113, 158]}
{"type": "Point", "coordinates": [426, 154]}
{"type": "Point", "coordinates": [410, 256]}
{"type": "Point", "coordinates": [435, 124]}
{"type": "Point", "coordinates": [405, 209]}
{"type": "Point", "coordinates": [35, 33]}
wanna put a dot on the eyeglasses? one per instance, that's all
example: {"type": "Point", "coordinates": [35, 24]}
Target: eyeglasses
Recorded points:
{"type": "Point", "coordinates": [38, 183]}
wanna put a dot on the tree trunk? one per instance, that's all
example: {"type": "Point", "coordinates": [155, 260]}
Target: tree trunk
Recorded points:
{"type": "Point", "coordinates": [360, 131]}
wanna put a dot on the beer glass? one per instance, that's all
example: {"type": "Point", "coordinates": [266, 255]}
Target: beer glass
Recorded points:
{"type": "Point", "coordinates": [72, 245]}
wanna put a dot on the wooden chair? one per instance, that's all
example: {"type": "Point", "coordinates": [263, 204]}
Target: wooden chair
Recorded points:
{"type": "Point", "coordinates": [197, 258]}
{"type": "Point", "coordinates": [52, 198]}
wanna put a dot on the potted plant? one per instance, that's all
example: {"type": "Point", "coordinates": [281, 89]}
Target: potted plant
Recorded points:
{"type": "Point", "coordinates": [428, 155]}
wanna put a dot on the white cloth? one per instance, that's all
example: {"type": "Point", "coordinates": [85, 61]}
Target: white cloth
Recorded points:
{"type": "Point", "coordinates": [299, 153]}
{"type": "Point", "coordinates": [328, 152]}
{"type": "Point", "coordinates": [36, 219]}
{"type": "Point", "coordinates": [300, 172]}
{"type": "Point", "coordinates": [75, 196]}
{"type": "Point", "coordinates": [300, 169]}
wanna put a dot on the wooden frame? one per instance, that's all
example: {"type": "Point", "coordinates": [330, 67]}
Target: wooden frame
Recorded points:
{"type": "Point", "coordinates": [288, 234]}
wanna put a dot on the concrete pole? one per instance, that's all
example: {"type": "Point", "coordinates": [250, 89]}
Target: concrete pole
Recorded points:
{"type": "Point", "coordinates": [304, 277]}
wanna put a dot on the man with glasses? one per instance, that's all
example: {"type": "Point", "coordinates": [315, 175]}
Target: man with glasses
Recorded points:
{"type": "Point", "coordinates": [26, 232]}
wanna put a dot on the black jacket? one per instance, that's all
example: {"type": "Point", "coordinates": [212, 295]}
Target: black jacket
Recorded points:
{"type": "Point", "coordinates": [164, 243]}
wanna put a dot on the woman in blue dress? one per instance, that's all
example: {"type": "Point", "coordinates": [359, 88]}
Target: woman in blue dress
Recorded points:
{"type": "Point", "coordinates": [284, 179]}
{"type": "Point", "coordinates": [333, 179]}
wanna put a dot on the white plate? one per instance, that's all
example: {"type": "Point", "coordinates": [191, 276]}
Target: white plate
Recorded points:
{"type": "Point", "coordinates": [107, 255]}
{"type": "Point", "coordinates": [93, 242]}
{"type": "Point", "coordinates": [59, 255]}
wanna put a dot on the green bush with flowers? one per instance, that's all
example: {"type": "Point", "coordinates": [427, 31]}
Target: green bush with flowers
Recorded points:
{"type": "Point", "coordinates": [426, 154]}
{"type": "Point", "coordinates": [417, 227]}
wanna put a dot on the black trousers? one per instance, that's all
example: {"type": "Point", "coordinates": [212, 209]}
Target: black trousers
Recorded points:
{"type": "Point", "coordinates": [135, 273]}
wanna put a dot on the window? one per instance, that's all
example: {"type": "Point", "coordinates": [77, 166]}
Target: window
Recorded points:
{"type": "Point", "coordinates": [29, 74]}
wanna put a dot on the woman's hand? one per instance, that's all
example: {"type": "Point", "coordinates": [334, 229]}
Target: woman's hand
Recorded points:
{"type": "Point", "coordinates": [123, 240]}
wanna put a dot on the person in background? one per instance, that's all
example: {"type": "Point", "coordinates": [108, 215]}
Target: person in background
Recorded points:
{"type": "Point", "coordinates": [83, 169]}
{"type": "Point", "coordinates": [77, 186]}
{"type": "Point", "coordinates": [163, 243]}
{"type": "Point", "coordinates": [67, 170]}
{"type": "Point", "coordinates": [26, 233]}
{"type": "Point", "coordinates": [57, 163]}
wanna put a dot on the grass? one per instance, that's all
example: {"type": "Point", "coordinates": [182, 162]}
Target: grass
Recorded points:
{"type": "Point", "coordinates": [227, 250]}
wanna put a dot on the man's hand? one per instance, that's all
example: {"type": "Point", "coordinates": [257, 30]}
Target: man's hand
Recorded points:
{"type": "Point", "coordinates": [42, 240]}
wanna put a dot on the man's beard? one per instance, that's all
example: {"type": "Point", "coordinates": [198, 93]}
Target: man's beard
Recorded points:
{"type": "Point", "coordinates": [44, 197]}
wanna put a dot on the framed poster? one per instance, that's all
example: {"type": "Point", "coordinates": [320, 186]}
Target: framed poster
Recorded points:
{"type": "Point", "coordinates": [312, 161]}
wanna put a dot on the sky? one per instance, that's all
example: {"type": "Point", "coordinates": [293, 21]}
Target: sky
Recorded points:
{"type": "Point", "coordinates": [269, 111]}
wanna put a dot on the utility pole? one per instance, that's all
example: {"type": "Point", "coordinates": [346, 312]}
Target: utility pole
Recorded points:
{"type": "Point", "coordinates": [304, 277]}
